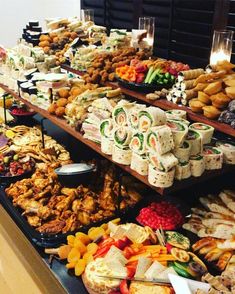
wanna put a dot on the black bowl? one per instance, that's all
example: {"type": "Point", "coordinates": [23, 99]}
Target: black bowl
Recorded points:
{"type": "Point", "coordinates": [142, 87]}
{"type": "Point", "coordinates": [6, 180]}
{"type": "Point", "coordinates": [75, 178]}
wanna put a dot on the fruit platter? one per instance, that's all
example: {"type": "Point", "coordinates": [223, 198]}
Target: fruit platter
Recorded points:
{"type": "Point", "coordinates": [15, 165]}
{"type": "Point", "coordinates": [149, 75]}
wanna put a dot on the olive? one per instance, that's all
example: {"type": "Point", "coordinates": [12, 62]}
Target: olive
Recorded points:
{"type": "Point", "coordinates": [6, 159]}
{"type": "Point", "coordinates": [16, 157]}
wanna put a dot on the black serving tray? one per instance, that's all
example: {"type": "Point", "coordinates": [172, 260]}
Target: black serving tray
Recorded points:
{"type": "Point", "coordinates": [142, 87]}
{"type": "Point", "coordinates": [49, 240]}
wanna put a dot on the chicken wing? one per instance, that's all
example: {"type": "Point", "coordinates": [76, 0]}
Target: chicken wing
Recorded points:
{"type": "Point", "coordinates": [52, 227]}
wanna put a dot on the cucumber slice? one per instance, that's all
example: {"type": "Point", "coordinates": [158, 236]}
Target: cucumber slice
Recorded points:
{"type": "Point", "coordinates": [150, 71]}
{"type": "Point", "coordinates": [182, 272]}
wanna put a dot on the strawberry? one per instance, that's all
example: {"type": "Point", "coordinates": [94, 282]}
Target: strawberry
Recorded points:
{"type": "Point", "coordinates": [123, 287]}
{"type": "Point", "coordinates": [122, 243]}
{"type": "Point", "coordinates": [131, 269]}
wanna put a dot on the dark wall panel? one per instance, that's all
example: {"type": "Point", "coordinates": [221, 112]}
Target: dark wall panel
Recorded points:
{"type": "Point", "coordinates": [183, 28]}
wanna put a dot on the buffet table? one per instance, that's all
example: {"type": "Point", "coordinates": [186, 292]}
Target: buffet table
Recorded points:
{"type": "Point", "coordinates": [158, 175]}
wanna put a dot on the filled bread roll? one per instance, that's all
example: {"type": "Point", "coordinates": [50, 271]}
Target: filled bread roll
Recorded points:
{"type": "Point", "coordinates": [204, 98]}
{"type": "Point", "coordinates": [230, 91]}
{"type": "Point", "coordinates": [220, 100]}
{"type": "Point", "coordinates": [196, 105]}
{"type": "Point", "coordinates": [213, 88]}
{"type": "Point", "coordinates": [211, 112]}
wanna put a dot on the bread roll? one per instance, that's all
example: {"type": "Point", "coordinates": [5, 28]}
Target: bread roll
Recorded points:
{"type": "Point", "coordinates": [211, 112]}
{"type": "Point", "coordinates": [213, 88]}
{"type": "Point", "coordinates": [230, 91]}
{"type": "Point", "coordinates": [201, 86]}
{"type": "Point", "coordinates": [220, 100]}
{"type": "Point", "coordinates": [230, 82]}
{"type": "Point", "coordinates": [210, 76]}
{"type": "Point", "coordinates": [196, 105]}
{"type": "Point", "coordinates": [204, 98]}
{"type": "Point", "coordinates": [224, 65]}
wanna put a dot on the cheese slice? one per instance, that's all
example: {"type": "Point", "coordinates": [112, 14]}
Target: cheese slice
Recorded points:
{"type": "Point", "coordinates": [112, 227]}
{"type": "Point", "coordinates": [155, 269]}
{"type": "Point", "coordinates": [164, 274]}
{"type": "Point", "coordinates": [136, 234]}
{"type": "Point", "coordinates": [115, 254]}
{"type": "Point", "coordinates": [142, 266]}
{"type": "Point", "coordinates": [117, 268]}
{"type": "Point", "coordinates": [120, 233]}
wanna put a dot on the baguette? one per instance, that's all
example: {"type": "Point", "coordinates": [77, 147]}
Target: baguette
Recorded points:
{"type": "Point", "coordinates": [217, 215]}
{"type": "Point", "coordinates": [223, 260]}
{"type": "Point", "coordinates": [228, 244]}
{"type": "Point", "coordinates": [221, 231]}
{"type": "Point", "coordinates": [228, 200]}
{"type": "Point", "coordinates": [211, 222]}
{"type": "Point", "coordinates": [193, 227]}
{"type": "Point", "coordinates": [208, 248]}
{"type": "Point", "coordinates": [214, 254]}
{"type": "Point", "coordinates": [221, 209]}
{"type": "Point", "coordinates": [203, 242]}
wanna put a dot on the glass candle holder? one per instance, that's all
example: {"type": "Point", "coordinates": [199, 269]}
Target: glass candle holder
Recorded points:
{"type": "Point", "coordinates": [87, 15]}
{"type": "Point", "coordinates": [221, 49]}
{"type": "Point", "coordinates": [147, 24]}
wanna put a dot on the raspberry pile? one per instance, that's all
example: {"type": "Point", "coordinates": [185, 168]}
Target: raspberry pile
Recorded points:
{"type": "Point", "coordinates": [20, 111]}
{"type": "Point", "coordinates": [162, 214]}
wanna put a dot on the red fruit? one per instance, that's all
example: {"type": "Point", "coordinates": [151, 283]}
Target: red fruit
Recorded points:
{"type": "Point", "coordinates": [106, 241]}
{"type": "Point", "coordinates": [20, 171]}
{"type": "Point", "coordinates": [140, 77]}
{"type": "Point", "coordinates": [141, 68]}
{"type": "Point", "coordinates": [131, 269]}
{"type": "Point", "coordinates": [134, 62]}
{"type": "Point", "coordinates": [122, 243]}
{"type": "Point", "coordinates": [128, 252]}
{"type": "Point", "coordinates": [101, 252]}
{"type": "Point", "coordinates": [161, 214]}
{"type": "Point", "coordinates": [114, 292]}
{"type": "Point", "coordinates": [123, 287]}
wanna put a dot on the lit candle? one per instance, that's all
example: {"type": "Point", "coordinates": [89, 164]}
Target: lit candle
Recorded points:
{"type": "Point", "coordinates": [219, 55]}
{"type": "Point", "coordinates": [149, 41]}
{"type": "Point", "coordinates": [221, 48]}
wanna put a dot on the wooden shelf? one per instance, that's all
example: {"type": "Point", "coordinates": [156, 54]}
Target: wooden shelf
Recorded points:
{"type": "Point", "coordinates": [167, 105]}
{"type": "Point", "coordinates": [178, 185]}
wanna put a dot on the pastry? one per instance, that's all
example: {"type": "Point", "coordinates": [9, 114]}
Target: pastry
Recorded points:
{"type": "Point", "coordinates": [230, 82]}
{"type": "Point", "coordinates": [213, 88]}
{"type": "Point", "coordinates": [196, 105]}
{"type": "Point", "coordinates": [189, 94]}
{"type": "Point", "coordinates": [223, 260]}
{"type": "Point", "coordinates": [224, 65]}
{"type": "Point", "coordinates": [211, 112]}
{"type": "Point", "coordinates": [143, 287]}
{"type": "Point", "coordinates": [204, 98]}
{"type": "Point", "coordinates": [191, 73]}
{"type": "Point", "coordinates": [220, 100]}
{"type": "Point", "coordinates": [210, 77]}
{"type": "Point", "coordinates": [187, 84]}
{"type": "Point", "coordinates": [201, 86]}
{"type": "Point", "coordinates": [230, 91]}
